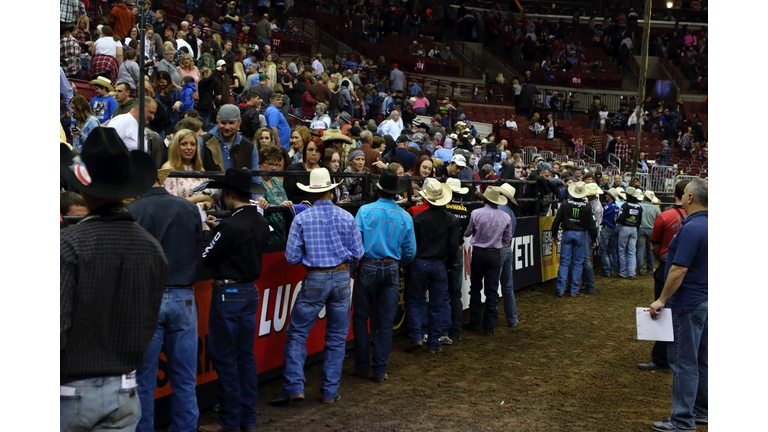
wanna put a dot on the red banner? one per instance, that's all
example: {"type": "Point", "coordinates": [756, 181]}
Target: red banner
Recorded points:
{"type": "Point", "coordinates": [278, 287]}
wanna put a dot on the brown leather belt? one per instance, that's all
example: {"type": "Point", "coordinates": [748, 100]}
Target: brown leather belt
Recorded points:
{"type": "Point", "coordinates": [488, 249]}
{"type": "Point", "coordinates": [227, 281]}
{"type": "Point", "coordinates": [339, 267]}
{"type": "Point", "coordinates": [506, 245]}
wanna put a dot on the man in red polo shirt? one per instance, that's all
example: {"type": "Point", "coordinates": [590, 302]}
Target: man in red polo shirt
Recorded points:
{"type": "Point", "coordinates": [667, 224]}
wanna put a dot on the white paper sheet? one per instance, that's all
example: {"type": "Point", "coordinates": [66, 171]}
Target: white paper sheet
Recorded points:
{"type": "Point", "coordinates": [659, 329]}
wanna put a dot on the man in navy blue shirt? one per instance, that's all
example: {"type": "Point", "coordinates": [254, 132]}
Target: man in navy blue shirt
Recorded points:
{"type": "Point", "coordinates": [507, 256]}
{"type": "Point", "coordinates": [406, 158]}
{"type": "Point", "coordinates": [686, 292]}
{"type": "Point", "coordinates": [177, 225]}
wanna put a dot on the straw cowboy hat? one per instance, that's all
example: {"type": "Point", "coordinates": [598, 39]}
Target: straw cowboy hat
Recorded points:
{"type": "Point", "coordinates": [568, 164]}
{"type": "Point", "coordinates": [162, 175]}
{"type": "Point", "coordinates": [578, 189]}
{"type": "Point", "coordinates": [436, 193]}
{"type": "Point", "coordinates": [104, 82]}
{"type": "Point", "coordinates": [593, 189]}
{"type": "Point", "coordinates": [319, 182]}
{"type": "Point", "coordinates": [335, 135]}
{"type": "Point", "coordinates": [238, 179]}
{"type": "Point", "coordinates": [106, 169]}
{"type": "Point", "coordinates": [612, 193]}
{"type": "Point", "coordinates": [493, 194]}
{"type": "Point", "coordinates": [508, 191]}
{"type": "Point", "coordinates": [639, 195]}
{"type": "Point", "coordinates": [455, 185]}
{"type": "Point", "coordinates": [652, 197]}
{"type": "Point", "coordinates": [391, 183]}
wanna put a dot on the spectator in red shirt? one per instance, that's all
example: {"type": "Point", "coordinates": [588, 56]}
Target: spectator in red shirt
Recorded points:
{"type": "Point", "coordinates": [121, 18]}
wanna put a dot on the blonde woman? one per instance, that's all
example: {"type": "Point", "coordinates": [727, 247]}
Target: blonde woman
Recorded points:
{"type": "Point", "coordinates": [187, 67]}
{"type": "Point", "coordinates": [500, 79]}
{"type": "Point", "coordinates": [183, 155]}
{"type": "Point", "coordinates": [271, 69]}
{"type": "Point", "coordinates": [262, 138]}
{"type": "Point", "coordinates": [238, 79]}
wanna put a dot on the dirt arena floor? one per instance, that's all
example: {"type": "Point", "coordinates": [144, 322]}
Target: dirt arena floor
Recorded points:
{"type": "Point", "coordinates": [570, 365]}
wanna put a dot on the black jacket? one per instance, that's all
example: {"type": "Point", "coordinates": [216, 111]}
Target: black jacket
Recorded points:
{"type": "Point", "coordinates": [575, 215]}
{"type": "Point", "coordinates": [205, 90]}
{"type": "Point", "coordinates": [250, 121]}
{"type": "Point", "coordinates": [237, 245]}
{"type": "Point", "coordinates": [438, 234]}
{"type": "Point", "coordinates": [297, 92]}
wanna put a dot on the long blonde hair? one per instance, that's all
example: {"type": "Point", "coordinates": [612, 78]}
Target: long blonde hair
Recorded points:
{"type": "Point", "coordinates": [174, 152]}
{"type": "Point", "coordinates": [240, 73]}
{"type": "Point", "coordinates": [191, 62]}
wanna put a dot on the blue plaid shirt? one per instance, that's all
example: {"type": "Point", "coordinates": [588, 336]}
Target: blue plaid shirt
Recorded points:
{"type": "Point", "coordinates": [387, 231]}
{"type": "Point", "coordinates": [323, 236]}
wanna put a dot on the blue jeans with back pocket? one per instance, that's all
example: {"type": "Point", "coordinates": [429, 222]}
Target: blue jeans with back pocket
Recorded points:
{"type": "Point", "coordinates": [96, 404]}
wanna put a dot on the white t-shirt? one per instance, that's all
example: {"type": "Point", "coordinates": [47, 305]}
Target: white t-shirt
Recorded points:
{"type": "Point", "coordinates": [182, 43]}
{"type": "Point", "coordinates": [127, 129]}
{"type": "Point", "coordinates": [603, 116]}
{"type": "Point", "coordinates": [106, 46]}
{"type": "Point", "coordinates": [512, 124]}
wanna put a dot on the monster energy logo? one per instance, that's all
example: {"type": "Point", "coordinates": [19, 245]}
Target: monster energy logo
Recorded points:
{"type": "Point", "coordinates": [575, 213]}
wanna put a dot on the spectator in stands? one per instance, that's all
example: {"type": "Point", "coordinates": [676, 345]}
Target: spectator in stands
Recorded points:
{"type": "Point", "coordinates": [69, 53]}
{"type": "Point", "coordinates": [127, 125]}
{"type": "Point", "coordinates": [299, 138]}
{"type": "Point", "coordinates": [205, 104]}
{"type": "Point", "coordinates": [322, 120]}
{"type": "Point", "coordinates": [312, 158]}
{"type": "Point", "coordinates": [421, 104]}
{"type": "Point", "coordinates": [665, 156]}
{"type": "Point", "coordinates": [169, 97]}
{"type": "Point", "coordinates": [264, 30]}
{"type": "Point", "coordinates": [405, 157]}
{"type": "Point", "coordinates": [123, 98]}
{"type": "Point", "coordinates": [230, 19]}
{"type": "Point", "coordinates": [103, 104]}
{"type": "Point", "coordinates": [249, 113]}
{"type": "Point", "coordinates": [86, 121]}
{"type": "Point", "coordinates": [121, 18]}
{"type": "Point", "coordinates": [167, 65]}
{"type": "Point", "coordinates": [107, 55]}
{"type": "Point", "coordinates": [317, 65]}
{"type": "Point", "coordinates": [187, 68]}
{"type": "Point", "coordinates": [184, 155]}
{"type": "Point", "coordinates": [396, 79]}
{"type": "Point", "coordinates": [263, 137]}
{"type": "Point", "coordinates": [354, 185]}
{"type": "Point", "coordinates": [72, 204]}
{"type": "Point", "coordinates": [391, 125]}
{"type": "Point", "coordinates": [276, 121]}
{"type": "Point", "coordinates": [270, 158]}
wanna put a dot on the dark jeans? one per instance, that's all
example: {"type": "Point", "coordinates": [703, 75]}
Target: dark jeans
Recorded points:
{"type": "Point", "coordinates": [486, 272]}
{"type": "Point", "coordinates": [76, 75]}
{"type": "Point", "coordinates": [659, 353]}
{"type": "Point", "coordinates": [428, 274]}
{"type": "Point", "coordinates": [453, 314]}
{"type": "Point", "coordinates": [231, 334]}
{"type": "Point", "coordinates": [376, 296]}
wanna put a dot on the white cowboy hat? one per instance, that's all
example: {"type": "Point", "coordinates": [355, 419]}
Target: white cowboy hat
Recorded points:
{"type": "Point", "coordinates": [102, 81]}
{"type": "Point", "coordinates": [639, 195]}
{"type": "Point", "coordinates": [493, 194]}
{"type": "Point", "coordinates": [438, 194]}
{"type": "Point", "coordinates": [612, 193]}
{"type": "Point", "coordinates": [593, 189]}
{"type": "Point", "coordinates": [455, 185]}
{"type": "Point", "coordinates": [568, 164]}
{"type": "Point", "coordinates": [508, 191]}
{"type": "Point", "coordinates": [652, 197]}
{"type": "Point", "coordinates": [319, 181]}
{"type": "Point", "coordinates": [578, 189]}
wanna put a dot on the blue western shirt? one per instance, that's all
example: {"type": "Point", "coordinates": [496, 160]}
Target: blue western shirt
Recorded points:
{"type": "Point", "coordinates": [323, 236]}
{"type": "Point", "coordinates": [690, 248]}
{"type": "Point", "coordinates": [387, 231]}
{"type": "Point", "coordinates": [505, 208]}
{"type": "Point", "coordinates": [610, 212]}
{"type": "Point", "coordinates": [275, 119]}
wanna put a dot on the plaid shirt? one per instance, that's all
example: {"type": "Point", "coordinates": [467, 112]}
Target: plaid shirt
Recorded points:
{"type": "Point", "coordinates": [103, 63]}
{"type": "Point", "coordinates": [112, 276]}
{"type": "Point", "coordinates": [68, 8]}
{"type": "Point", "coordinates": [324, 236]}
{"type": "Point", "coordinates": [622, 147]}
{"type": "Point", "coordinates": [69, 52]}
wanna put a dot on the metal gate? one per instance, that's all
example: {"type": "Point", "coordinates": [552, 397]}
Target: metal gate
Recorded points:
{"type": "Point", "coordinates": [663, 179]}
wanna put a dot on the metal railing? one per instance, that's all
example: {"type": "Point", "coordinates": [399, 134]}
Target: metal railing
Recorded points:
{"type": "Point", "coordinates": [663, 178]}
{"type": "Point", "coordinates": [528, 153]}
{"type": "Point", "coordinates": [590, 153]}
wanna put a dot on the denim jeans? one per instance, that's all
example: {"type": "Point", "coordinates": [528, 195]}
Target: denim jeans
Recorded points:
{"type": "Point", "coordinates": [99, 404]}
{"type": "Point", "coordinates": [507, 286]}
{"type": "Point", "coordinates": [420, 111]}
{"type": "Point", "coordinates": [376, 296]}
{"type": "Point", "coordinates": [571, 252]}
{"type": "Point", "coordinates": [486, 272]}
{"type": "Point", "coordinates": [688, 358]}
{"type": "Point", "coordinates": [323, 289]}
{"type": "Point", "coordinates": [177, 329]}
{"type": "Point", "coordinates": [644, 252]}
{"type": "Point", "coordinates": [609, 249]}
{"type": "Point", "coordinates": [588, 272]}
{"type": "Point", "coordinates": [427, 275]}
{"type": "Point", "coordinates": [659, 352]}
{"type": "Point", "coordinates": [231, 334]}
{"type": "Point", "coordinates": [627, 258]}
{"type": "Point", "coordinates": [226, 30]}
{"type": "Point", "coordinates": [567, 115]}
{"type": "Point", "coordinates": [453, 318]}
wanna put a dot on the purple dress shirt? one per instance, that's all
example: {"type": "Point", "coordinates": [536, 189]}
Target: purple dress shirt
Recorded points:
{"type": "Point", "coordinates": [489, 227]}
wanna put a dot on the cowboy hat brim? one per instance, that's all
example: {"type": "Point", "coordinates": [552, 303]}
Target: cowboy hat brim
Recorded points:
{"type": "Point", "coordinates": [447, 196]}
{"type": "Point", "coordinates": [572, 191]}
{"type": "Point", "coordinates": [310, 189]}
{"type": "Point", "coordinates": [501, 201]}
{"type": "Point", "coordinates": [141, 177]}
{"type": "Point", "coordinates": [507, 194]}
{"type": "Point", "coordinates": [461, 190]}
{"type": "Point", "coordinates": [402, 186]}
{"type": "Point", "coordinates": [106, 85]}
{"type": "Point", "coordinates": [221, 184]}
{"type": "Point", "coordinates": [336, 137]}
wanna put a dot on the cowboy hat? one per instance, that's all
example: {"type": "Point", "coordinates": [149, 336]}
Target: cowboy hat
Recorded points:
{"type": "Point", "coordinates": [455, 185]}
{"type": "Point", "coordinates": [390, 183]}
{"type": "Point", "coordinates": [492, 194]}
{"type": "Point", "coordinates": [508, 191]}
{"type": "Point", "coordinates": [335, 135]}
{"type": "Point", "coordinates": [238, 179]}
{"type": "Point", "coordinates": [578, 189]}
{"type": "Point", "coordinates": [106, 169]}
{"type": "Point", "coordinates": [630, 191]}
{"type": "Point", "coordinates": [612, 193]}
{"type": "Point", "coordinates": [593, 189]}
{"type": "Point", "coordinates": [103, 82]}
{"type": "Point", "coordinates": [436, 193]}
{"type": "Point", "coordinates": [319, 182]}
{"type": "Point", "coordinates": [639, 195]}
{"type": "Point", "coordinates": [652, 197]}
{"type": "Point", "coordinates": [568, 164]}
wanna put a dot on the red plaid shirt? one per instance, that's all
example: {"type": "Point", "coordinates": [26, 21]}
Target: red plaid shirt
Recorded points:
{"type": "Point", "coordinates": [103, 63]}
{"type": "Point", "coordinates": [69, 52]}
{"type": "Point", "coordinates": [621, 149]}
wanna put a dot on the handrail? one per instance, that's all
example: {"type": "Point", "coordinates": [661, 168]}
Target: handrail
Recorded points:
{"type": "Point", "coordinates": [594, 153]}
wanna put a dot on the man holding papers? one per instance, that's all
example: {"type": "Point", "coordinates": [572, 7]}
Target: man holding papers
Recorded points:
{"type": "Point", "coordinates": [686, 294]}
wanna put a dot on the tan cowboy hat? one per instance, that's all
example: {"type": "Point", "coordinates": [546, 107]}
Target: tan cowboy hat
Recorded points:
{"type": "Point", "coordinates": [335, 135]}
{"type": "Point", "coordinates": [493, 194]}
{"type": "Point", "coordinates": [639, 195]}
{"type": "Point", "coordinates": [612, 192]}
{"type": "Point", "coordinates": [162, 174]}
{"type": "Point", "coordinates": [319, 182]}
{"type": "Point", "coordinates": [568, 164]}
{"type": "Point", "coordinates": [455, 185]}
{"type": "Point", "coordinates": [508, 191]}
{"type": "Point", "coordinates": [630, 191]}
{"type": "Point", "coordinates": [622, 194]}
{"type": "Point", "coordinates": [652, 197]}
{"type": "Point", "coordinates": [104, 82]}
{"type": "Point", "coordinates": [438, 194]}
{"type": "Point", "coordinates": [593, 189]}
{"type": "Point", "coordinates": [578, 190]}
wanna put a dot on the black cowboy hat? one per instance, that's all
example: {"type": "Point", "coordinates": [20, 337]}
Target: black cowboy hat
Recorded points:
{"type": "Point", "coordinates": [106, 169]}
{"type": "Point", "coordinates": [390, 183]}
{"type": "Point", "coordinates": [237, 179]}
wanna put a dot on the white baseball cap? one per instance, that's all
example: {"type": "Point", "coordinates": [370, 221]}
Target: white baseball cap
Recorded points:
{"type": "Point", "coordinates": [459, 160]}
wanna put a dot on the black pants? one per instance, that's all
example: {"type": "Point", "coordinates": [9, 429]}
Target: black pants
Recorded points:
{"type": "Point", "coordinates": [659, 353]}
